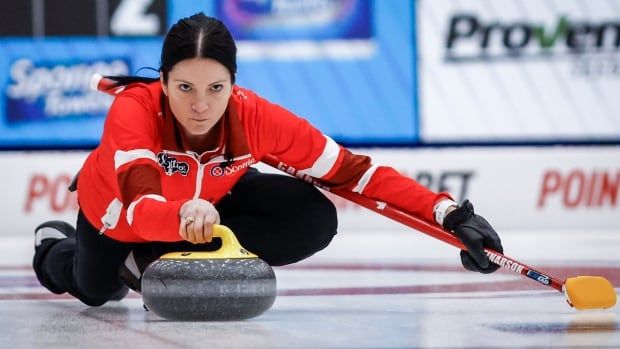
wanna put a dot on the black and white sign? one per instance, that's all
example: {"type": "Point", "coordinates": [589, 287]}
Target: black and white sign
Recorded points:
{"type": "Point", "coordinates": [519, 71]}
{"type": "Point", "coordinates": [46, 18]}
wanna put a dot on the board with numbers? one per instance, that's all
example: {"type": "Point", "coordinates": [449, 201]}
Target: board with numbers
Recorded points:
{"type": "Point", "coordinates": [45, 18]}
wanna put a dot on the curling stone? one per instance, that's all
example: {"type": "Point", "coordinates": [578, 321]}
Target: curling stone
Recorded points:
{"type": "Point", "coordinates": [230, 283]}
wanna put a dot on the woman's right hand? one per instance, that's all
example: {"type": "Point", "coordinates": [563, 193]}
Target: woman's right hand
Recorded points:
{"type": "Point", "coordinates": [197, 219]}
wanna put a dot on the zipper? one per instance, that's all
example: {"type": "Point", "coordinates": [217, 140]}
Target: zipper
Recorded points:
{"type": "Point", "coordinates": [199, 180]}
{"type": "Point", "coordinates": [194, 156]}
{"type": "Point", "coordinates": [112, 215]}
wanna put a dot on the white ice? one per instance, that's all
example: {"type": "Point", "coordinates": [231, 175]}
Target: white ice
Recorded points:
{"type": "Point", "coordinates": [392, 289]}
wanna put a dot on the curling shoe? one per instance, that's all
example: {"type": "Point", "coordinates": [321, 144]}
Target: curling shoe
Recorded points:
{"type": "Point", "coordinates": [50, 232]}
{"type": "Point", "coordinates": [45, 236]}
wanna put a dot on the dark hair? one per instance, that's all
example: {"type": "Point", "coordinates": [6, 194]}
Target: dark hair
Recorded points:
{"type": "Point", "coordinates": [198, 36]}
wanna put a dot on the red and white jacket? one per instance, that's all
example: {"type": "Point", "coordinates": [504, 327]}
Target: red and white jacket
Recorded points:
{"type": "Point", "coordinates": [133, 184]}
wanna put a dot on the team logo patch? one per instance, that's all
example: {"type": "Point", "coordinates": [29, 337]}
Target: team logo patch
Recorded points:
{"type": "Point", "coordinates": [217, 171]}
{"type": "Point", "coordinates": [172, 165]}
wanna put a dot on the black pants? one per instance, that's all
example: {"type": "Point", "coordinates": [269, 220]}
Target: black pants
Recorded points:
{"type": "Point", "coordinates": [281, 219]}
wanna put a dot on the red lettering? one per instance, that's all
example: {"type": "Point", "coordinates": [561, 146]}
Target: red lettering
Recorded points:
{"type": "Point", "coordinates": [53, 190]}
{"type": "Point", "coordinates": [576, 180]}
{"type": "Point", "coordinates": [36, 189]}
{"type": "Point", "coordinates": [60, 197]}
{"type": "Point", "coordinates": [609, 189]}
{"type": "Point", "coordinates": [592, 187]}
{"type": "Point", "coordinates": [581, 189]}
{"type": "Point", "coordinates": [550, 184]}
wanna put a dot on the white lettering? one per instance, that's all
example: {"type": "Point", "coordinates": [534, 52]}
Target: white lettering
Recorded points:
{"type": "Point", "coordinates": [288, 7]}
{"type": "Point", "coordinates": [63, 89]}
{"type": "Point", "coordinates": [235, 168]}
{"type": "Point", "coordinates": [32, 82]}
{"type": "Point", "coordinates": [57, 104]}
{"type": "Point", "coordinates": [505, 262]}
{"type": "Point", "coordinates": [130, 18]}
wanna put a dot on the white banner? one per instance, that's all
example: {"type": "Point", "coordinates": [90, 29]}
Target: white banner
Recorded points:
{"type": "Point", "coordinates": [568, 188]}
{"type": "Point", "coordinates": [514, 188]}
{"type": "Point", "coordinates": [493, 70]}
{"type": "Point", "coordinates": [34, 189]}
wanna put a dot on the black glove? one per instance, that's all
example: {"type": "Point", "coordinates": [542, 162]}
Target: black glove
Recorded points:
{"type": "Point", "coordinates": [475, 233]}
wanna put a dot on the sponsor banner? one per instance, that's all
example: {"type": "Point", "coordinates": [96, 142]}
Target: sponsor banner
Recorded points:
{"type": "Point", "coordinates": [568, 188]}
{"type": "Point", "coordinates": [52, 91]}
{"type": "Point", "coordinates": [296, 19]}
{"type": "Point", "coordinates": [35, 189]}
{"type": "Point", "coordinates": [519, 70]}
{"type": "Point", "coordinates": [45, 99]}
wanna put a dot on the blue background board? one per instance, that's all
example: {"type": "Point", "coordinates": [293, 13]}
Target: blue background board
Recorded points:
{"type": "Point", "coordinates": [290, 20]}
{"type": "Point", "coordinates": [79, 130]}
{"type": "Point", "coordinates": [362, 99]}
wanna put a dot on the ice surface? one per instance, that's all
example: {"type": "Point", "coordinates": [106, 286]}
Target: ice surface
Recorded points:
{"type": "Point", "coordinates": [367, 290]}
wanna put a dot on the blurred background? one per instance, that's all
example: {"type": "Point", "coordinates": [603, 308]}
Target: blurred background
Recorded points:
{"type": "Point", "coordinates": [513, 104]}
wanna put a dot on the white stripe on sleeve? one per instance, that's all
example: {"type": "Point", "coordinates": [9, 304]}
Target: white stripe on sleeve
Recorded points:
{"type": "Point", "coordinates": [326, 161]}
{"type": "Point", "coordinates": [132, 206]}
{"type": "Point", "coordinates": [361, 184]}
{"type": "Point", "coordinates": [123, 157]}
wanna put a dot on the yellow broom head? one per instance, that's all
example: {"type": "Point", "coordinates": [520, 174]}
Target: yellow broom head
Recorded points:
{"type": "Point", "coordinates": [589, 292]}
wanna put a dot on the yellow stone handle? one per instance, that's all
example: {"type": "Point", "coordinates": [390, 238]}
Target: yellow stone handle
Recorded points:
{"type": "Point", "coordinates": [231, 248]}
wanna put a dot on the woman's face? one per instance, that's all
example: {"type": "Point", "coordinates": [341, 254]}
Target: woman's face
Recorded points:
{"type": "Point", "coordinates": [198, 90]}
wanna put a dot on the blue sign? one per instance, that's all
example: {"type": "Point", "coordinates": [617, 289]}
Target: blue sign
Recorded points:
{"type": "Point", "coordinates": [296, 19]}
{"type": "Point", "coordinates": [45, 101]}
{"type": "Point", "coordinates": [52, 91]}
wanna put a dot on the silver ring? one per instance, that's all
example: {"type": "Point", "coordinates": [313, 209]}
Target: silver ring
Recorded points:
{"type": "Point", "coordinates": [189, 220]}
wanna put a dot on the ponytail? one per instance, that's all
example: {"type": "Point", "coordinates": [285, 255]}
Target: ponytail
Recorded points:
{"type": "Point", "coordinates": [120, 80]}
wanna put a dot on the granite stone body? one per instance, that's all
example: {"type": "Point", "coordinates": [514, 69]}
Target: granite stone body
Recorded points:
{"type": "Point", "coordinates": [208, 289]}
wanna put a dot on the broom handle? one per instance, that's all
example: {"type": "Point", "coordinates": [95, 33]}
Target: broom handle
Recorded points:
{"type": "Point", "coordinates": [423, 226]}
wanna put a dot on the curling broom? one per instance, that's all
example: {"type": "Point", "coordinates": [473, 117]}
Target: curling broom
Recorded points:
{"type": "Point", "coordinates": [582, 292]}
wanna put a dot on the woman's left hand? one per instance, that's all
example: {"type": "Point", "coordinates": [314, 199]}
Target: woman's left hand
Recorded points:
{"type": "Point", "coordinates": [476, 234]}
